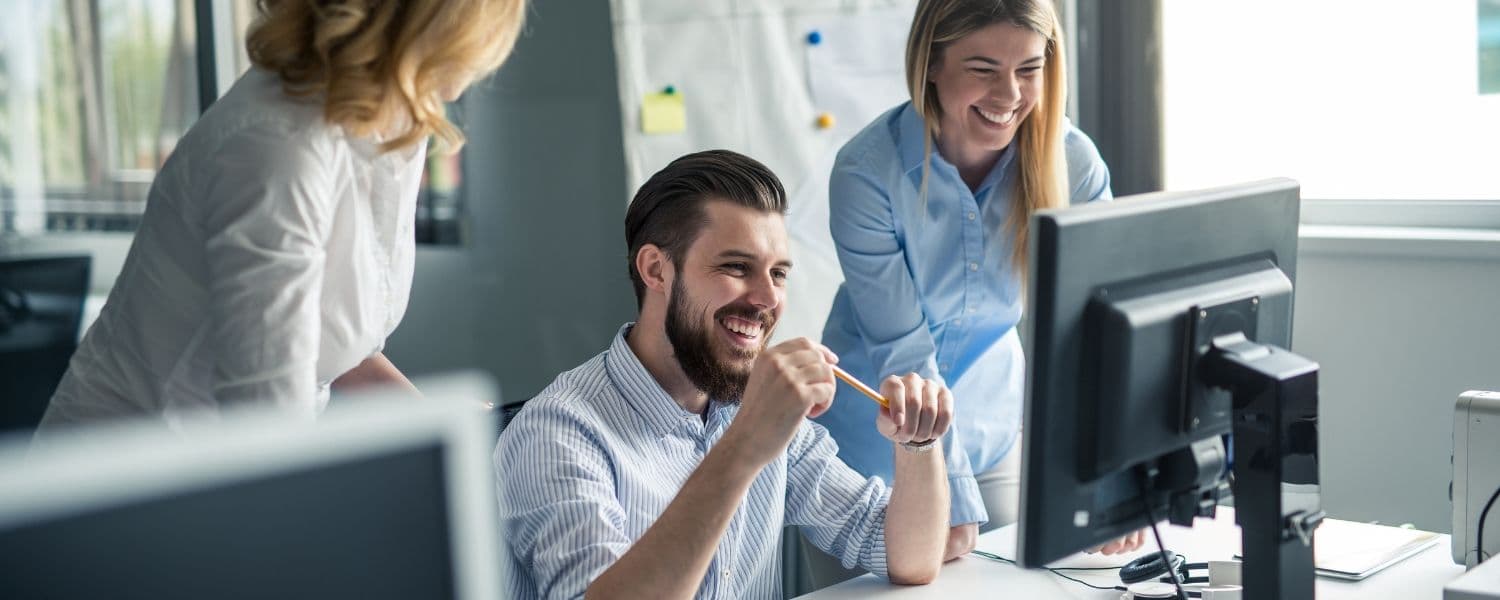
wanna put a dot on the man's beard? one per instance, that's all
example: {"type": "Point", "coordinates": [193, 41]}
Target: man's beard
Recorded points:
{"type": "Point", "coordinates": [695, 347]}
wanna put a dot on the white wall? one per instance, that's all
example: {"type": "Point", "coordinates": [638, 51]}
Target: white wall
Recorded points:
{"type": "Point", "coordinates": [1400, 328]}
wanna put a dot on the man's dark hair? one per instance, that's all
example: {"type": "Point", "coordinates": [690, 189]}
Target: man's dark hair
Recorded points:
{"type": "Point", "coordinates": [668, 209]}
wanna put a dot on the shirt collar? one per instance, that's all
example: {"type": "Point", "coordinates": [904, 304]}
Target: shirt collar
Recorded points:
{"type": "Point", "coordinates": [640, 390]}
{"type": "Point", "coordinates": [910, 134]}
{"type": "Point", "coordinates": [997, 172]}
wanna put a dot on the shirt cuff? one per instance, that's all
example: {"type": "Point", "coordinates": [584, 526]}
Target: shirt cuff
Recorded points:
{"type": "Point", "coordinates": [929, 370]}
{"type": "Point", "coordinates": [966, 506]}
{"type": "Point", "coordinates": [873, 557]}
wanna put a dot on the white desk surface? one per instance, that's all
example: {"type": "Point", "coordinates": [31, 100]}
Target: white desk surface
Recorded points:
{"type": "Point", "coordinates": [1420, 577]}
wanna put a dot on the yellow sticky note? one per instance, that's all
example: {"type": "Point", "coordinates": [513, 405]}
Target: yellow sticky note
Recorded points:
{"type": "Point", "coordinates": [663, 113]}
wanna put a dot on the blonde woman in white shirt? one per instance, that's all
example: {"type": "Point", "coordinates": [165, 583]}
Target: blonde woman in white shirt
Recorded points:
{"type": "Point", "coordinates": [275, 254]}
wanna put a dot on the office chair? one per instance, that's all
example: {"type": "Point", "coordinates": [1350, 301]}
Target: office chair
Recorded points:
{"type": "Point", "coordinates": [41, 307]}
{"type": "Point", "coordinates": [506, 412]}
{"type": "Point", "coordinates": [13, 309]}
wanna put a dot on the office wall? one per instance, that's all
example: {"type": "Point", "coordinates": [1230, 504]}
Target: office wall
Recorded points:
{"type": "Point", "coordinates": [1400, 328]}
{"type": "Point", "coordinates": [541, 285]}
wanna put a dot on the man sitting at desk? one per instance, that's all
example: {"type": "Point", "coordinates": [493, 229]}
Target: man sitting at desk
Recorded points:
{"type": "Point", "coordinates": [666, 466]}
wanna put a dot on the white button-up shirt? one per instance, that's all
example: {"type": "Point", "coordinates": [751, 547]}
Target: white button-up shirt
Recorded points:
{"type": "Point", "coordinates": [274, 255]}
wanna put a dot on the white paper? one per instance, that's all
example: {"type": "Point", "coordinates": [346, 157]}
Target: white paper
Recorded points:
{"type": "Point", "coordinates": [858, 69]}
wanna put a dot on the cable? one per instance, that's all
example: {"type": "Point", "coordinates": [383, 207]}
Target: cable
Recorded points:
{"type": "Point", "coordinates": [1058, 571]}
{"type": "Point", "coordinates": [1483, 556]}
{"type": "Point", "coordinates": [993, 556]}
{"type": "Point", "coordinates": [1088, 568]}
{"type": "Point", "coordinates": [1162, 548]}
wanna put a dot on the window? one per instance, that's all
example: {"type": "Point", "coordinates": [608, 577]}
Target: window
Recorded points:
{"type": "Point", "coordinates": [1357, 99]}
{"type": "Point", "coordinates": [440, 201]}
{"type": "Point", "coordinates": [94, 95]}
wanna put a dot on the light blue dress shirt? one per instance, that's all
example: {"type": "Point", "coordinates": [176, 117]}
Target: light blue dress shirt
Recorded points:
{"type": "Point", "coordinates": [931, 290]}
{"type": "Point", "coordinates": [589, 464]}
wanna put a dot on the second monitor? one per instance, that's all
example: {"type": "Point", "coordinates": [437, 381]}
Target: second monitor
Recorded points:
{"type": "Point", "coordinates": [382, 497]}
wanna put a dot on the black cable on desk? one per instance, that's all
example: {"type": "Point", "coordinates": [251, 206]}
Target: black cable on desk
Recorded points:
{"type": "Point", "coordinates": [1483, 556]}
{"type": "Point", "coordinates": [1058, 571]}
{"type": "Point", "coordinates": [1162, 548]}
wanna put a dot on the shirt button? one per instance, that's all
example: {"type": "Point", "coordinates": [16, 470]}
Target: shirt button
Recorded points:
{"type": "Point", "coordinates": [973, 310]}
{"type": "Point", "coordinates": [958, 321]}
{"type": "Point", "coordinates": [973, 266]}
{"type": "Point", "coordinates": [944, 366]}
{"type": "Point", "coordinates": [971, 215]}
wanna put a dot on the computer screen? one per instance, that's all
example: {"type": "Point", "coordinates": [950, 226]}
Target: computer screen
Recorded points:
{"type": "Point", "coordinates": [41, 305]}
{"type": "Point", "coordinates": [1126, 300]}
{"type": "Point", "coordinates": [378, 499]}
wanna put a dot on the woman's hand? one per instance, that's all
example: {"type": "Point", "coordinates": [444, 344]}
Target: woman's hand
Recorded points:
{"type": "Point", "coordinates": [375, 371]}
{"type": "Point", "coordinates": [1127, 543]}
{"type": "Point", "coordinates": [961, 540]}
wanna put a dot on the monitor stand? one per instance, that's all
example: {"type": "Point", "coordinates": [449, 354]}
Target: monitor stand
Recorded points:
{"type": "Point", "coordinates": [1275, 461]}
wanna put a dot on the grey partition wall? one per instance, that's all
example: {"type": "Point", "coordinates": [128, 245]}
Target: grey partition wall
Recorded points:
{"type": "Point", "coordinates": [540, 284]}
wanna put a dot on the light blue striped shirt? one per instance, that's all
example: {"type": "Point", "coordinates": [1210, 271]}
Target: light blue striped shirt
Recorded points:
{"type": "Point", "coordinates": [929, 289]}
{"type": "Point", "coordinates": [589, 464]}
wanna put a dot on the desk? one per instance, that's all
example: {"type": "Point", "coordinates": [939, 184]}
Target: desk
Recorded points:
{"type": "Point", "coordinates": [1420, 577]}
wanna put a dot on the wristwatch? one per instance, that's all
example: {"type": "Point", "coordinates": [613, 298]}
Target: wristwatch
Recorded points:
{"type": "Point", "coordinates": [919, 447]}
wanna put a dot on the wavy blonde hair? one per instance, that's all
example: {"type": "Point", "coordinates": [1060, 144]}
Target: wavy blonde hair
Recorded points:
{"type": "Point", "coordinates": [1043, 171]}
{"type": "Point", "coordinates": [381, 66]}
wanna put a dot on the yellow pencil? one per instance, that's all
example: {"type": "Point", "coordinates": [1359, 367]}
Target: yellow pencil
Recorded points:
{"type": "Point", "coordinates": [856, 384]}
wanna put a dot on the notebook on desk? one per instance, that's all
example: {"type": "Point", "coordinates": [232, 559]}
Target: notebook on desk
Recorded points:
{"type": "Point", "coordinates": [1353, 551]}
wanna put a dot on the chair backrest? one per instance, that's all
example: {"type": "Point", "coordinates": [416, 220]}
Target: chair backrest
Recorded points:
{"type": "Point", "coordinates": [507, 413]}
{"type": "Point", "coordinates": [41, 307]}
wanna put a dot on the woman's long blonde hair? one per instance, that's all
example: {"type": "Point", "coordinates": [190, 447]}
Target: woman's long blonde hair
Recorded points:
{"type": "Point", "coordinates": [381, 66]}
{"type": "Point", "coordinates": [1043, 171]}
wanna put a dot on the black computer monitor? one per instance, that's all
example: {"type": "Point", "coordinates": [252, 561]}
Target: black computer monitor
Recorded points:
{"type": "Point", "coordinates": [41, 305]}
{"type": "Point", "coordinates": [381, 498]}
{"type": "Point", "coordinates": [1159, 326]}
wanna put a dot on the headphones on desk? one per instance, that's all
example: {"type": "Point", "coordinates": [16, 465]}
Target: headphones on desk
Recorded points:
{"type": "Point", "coordinates": [1150, 566]}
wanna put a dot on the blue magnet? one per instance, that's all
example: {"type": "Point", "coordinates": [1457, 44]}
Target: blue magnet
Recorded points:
{"type": "Point", "coordinates": [669, 90]}
{"type": "Point", "coordinates": [814, 37]}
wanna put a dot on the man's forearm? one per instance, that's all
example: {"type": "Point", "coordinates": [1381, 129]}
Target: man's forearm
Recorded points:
{"type": "Point", "coordinates": [916, 522]}
{"type": "Point", "coordinates": [669, 561]}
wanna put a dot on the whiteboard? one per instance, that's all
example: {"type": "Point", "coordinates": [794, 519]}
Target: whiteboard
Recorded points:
{"type": "Point", "coordinates": [752, 80]}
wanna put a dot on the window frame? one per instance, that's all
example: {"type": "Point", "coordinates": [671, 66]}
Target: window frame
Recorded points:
{"type": "Point", "coordinates": [1106, 43]}
{"type": "Point", "coordinates": [109, 247]}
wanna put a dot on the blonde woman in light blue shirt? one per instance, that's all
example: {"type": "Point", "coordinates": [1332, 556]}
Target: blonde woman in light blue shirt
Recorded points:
{"type": "Point", "coordinates": [929, 207]}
